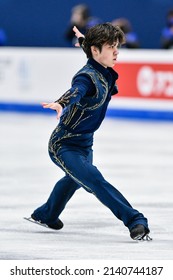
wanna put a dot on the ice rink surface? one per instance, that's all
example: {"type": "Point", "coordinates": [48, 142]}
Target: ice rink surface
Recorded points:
{"type": "Point", "coordinates": [135, 156]}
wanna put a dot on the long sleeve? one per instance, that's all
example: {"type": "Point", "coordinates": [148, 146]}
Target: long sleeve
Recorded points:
{"type": "Point", "coordinates": [82, 85]}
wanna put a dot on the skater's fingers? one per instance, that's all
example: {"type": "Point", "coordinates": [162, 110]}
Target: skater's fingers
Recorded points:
{"type": "Point", "coordinates": [77, 32]}
{"type": "Point", "coordinates": [49, 105]}
{"type": "Point", "coordinates": [59, 112]}
{"type": "Point", "coordinates": [45, 105]}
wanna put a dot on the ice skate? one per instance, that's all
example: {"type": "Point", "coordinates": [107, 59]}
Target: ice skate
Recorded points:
{"type": "Point", "coordinates": [56, 226]}
{"type": "Point", "coordinates": [140, 233]}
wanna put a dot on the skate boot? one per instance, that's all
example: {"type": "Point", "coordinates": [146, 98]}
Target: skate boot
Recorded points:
{"type": "Point", "coordinates": [58, 225]}
{"type": "Point", "coordinates": [139, 232]}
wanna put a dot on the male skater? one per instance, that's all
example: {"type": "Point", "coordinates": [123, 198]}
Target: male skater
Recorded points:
{"type": "Point", "coordinates": [81, 111]}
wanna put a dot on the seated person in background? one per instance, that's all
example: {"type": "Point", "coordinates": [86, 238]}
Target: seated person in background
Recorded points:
{"type": "Point", "coordinates": [131, 37]}
{"type": "Point", "coordinates": [80, 17]}
{"type": "Point", "coordinates": [167, 32]}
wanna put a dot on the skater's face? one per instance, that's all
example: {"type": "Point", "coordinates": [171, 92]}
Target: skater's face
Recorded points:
{"type": "Point", "coordinates": [107, 56]}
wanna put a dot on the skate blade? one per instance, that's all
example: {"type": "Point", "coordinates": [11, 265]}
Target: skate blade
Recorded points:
{"type": "Point", "coordinates": [143, 238]}
{"type": "Point", "coordinates": [35, 222]}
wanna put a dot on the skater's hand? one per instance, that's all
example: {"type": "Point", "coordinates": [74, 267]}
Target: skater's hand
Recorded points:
{"type": "Point", "coordinates": [54, 106]}
{"type": "Point", "coordinates": [78, 34]}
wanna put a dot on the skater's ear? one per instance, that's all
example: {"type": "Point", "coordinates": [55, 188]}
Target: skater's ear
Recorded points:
{"type": "Point", "coordinates": [95, 51]}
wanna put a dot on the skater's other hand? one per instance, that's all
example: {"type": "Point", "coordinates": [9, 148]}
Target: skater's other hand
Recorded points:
{"type": "Point", "coordinates": [78, 34]}
{"type": "Point", "coordinates": [54, 106]}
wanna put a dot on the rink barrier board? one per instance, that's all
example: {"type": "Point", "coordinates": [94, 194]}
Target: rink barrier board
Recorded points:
{"type": "Point", "coordinates": [123, 113]}
{"type": "Point", "coordinates": [29, 76]}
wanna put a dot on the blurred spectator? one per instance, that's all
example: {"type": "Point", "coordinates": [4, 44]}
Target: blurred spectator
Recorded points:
{"type": "Point", "coordinates": [167, 32]}
{"type": "Point", "coordinates": [3, 37]}
{"type": "Point", "coordinates": [81, 18]}
{"type": "Point", "coordinates": [131, 37]}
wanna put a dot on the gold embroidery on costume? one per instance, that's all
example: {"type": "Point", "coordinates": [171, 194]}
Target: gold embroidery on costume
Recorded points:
{"type": "Point", "coordinates": [62, 164]}
{"type": "Point", "coordinates": [70, 115]}
{"type": "Point", "coordinates": [55, 142]}
{"type": "Point", "coordinates": [65, 98]}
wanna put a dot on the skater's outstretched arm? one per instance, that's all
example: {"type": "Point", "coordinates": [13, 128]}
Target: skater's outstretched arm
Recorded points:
{"type": "Point", "coordinates": [71, 95]}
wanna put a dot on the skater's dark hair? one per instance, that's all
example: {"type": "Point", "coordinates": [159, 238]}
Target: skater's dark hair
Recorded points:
{"type": "Point", "coordinates": [101, 34]}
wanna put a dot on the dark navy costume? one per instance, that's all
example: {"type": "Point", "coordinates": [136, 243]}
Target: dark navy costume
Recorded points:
{"type": "Point", "coordinates": [70, 146]}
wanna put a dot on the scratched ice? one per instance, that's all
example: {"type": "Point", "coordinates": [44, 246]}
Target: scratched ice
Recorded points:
{"type": "Point", "coordinates": [135, 156]}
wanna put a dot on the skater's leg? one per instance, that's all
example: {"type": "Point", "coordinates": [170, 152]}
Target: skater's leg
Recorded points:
{"type": "Point", "coordinates": [88, 176]}
{"type": "Point", "coordinates": [49, 212]}
{"type": "Point", "coordinates": [64, 189]}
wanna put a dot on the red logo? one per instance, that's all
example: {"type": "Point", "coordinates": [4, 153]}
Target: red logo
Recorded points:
{"type": "Point", "coordinates": [145, 80]}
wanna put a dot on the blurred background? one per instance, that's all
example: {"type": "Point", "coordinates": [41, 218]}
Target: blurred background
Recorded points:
{"type": "Point", "coordinates": [38, 56]}
{"type": "Point", "coordinates": [44, 23]}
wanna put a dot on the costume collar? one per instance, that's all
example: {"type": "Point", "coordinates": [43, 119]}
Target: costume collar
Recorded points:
{"type": "Point", "coordinates": [104, 71]}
